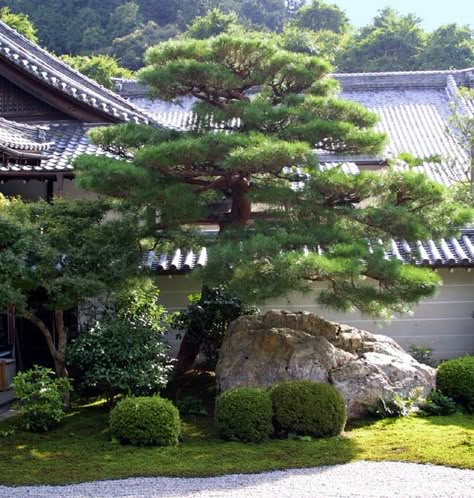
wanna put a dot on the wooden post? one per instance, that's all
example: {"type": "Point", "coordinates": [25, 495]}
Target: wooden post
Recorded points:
{"type": "Point", "coordinates": [11, 324]}
{"type": "Point", "coordinates": [60, 180]}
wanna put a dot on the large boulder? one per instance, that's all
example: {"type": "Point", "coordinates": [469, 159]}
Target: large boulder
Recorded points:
{"type": "Point", "coordinates": [280, 345]}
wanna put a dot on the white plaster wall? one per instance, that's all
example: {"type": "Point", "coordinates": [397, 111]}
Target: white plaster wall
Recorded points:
{"type": "Point", "coordinates": [444, 322]}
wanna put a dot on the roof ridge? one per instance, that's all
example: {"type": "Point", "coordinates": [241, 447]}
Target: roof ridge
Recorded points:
{"type": "Point", "coordinates": [29, 55]}
{"type": "Point", "coordinates": [404, 79]}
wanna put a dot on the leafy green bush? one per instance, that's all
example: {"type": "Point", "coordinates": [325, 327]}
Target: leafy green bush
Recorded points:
{"type": "Point", "coordinates": [123, 351]}
{"type": "Point", "coordinates": [40, 397]}
{"type": "Point", "coordinates": [397, 405]}
{"type": "Point", "coordinates": [145, 421]}
{"type": "Point", "coordinates": [438, 404]}
{"type": "Point", "coordinates": [244, 414]}
{"type": "Point", "coordinates": [308, 408]}
{"type": "Point", "coordinates": [455, 378]}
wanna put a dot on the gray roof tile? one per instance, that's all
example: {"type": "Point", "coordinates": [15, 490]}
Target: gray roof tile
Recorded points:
{"type": "Point", "coordinates": [444, 253]}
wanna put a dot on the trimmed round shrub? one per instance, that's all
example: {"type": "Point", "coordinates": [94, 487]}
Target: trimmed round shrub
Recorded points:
{"type": "Point", "coordinates": [455, 378]}
{"type": "Point", "coordinates": [244, 414]}
{"type": "Point", "coordinates": [145, 421]}
{"type": "Point", "coordinates": [308, 408]}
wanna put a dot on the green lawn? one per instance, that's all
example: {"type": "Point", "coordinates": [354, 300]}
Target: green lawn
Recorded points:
{"type": "Point", "coordinates": [81, 450]}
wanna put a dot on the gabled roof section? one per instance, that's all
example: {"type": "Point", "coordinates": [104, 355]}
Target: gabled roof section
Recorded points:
{"type": "Point", "coordinates": [41, 66]}
{"type": "Point", "coordinates": [414, 110]}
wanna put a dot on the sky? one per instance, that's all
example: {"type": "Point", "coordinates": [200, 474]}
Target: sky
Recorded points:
{"type": "Point", "coordinates": [433, 12]}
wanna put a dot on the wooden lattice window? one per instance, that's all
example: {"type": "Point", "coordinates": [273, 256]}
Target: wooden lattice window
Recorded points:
{"type": "Point", "coordinates": [15, 102]}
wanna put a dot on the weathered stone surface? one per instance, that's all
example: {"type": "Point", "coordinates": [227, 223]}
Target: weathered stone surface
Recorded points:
{"type": "Point", "coordinates": [279, 345]}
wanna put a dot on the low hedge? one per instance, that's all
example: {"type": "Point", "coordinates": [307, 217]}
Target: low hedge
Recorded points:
{"type": "Point", "coordinates": [146, 420]}
{"type": "Point", "coordinates": [244, 414]}
{"type": "Point", "coordinates": [308, 408]}
{"type": "Point", "coordinates": [455, 378]}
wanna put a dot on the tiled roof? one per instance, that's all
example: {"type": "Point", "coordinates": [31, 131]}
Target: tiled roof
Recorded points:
{"type": "Point", "coordinates": [416, 120]}
{"type": "Point", "coordinates": [45, 67]}
{"type": "Point", "coordinates": [413, 107]}
{"type": "Point", "coordinates": [445, 253]}
{"type": "Point", "coordinates": [22, 137]}
{"type": "Point", "coordinates": [67, 140]}
{"type": "Point", "coordinates": [176, 115]}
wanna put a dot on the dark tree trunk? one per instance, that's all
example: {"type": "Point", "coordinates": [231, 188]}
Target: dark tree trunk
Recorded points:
{"type": "Point", "coordinates": [188, 351]}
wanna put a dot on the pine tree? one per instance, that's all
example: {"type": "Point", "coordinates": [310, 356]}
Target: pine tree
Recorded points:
{"type": "Point", "coordinates": [260, 115]}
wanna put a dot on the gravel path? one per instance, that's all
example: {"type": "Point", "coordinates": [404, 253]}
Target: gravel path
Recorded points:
{"type": "Point", "coordinates": [363, 479]}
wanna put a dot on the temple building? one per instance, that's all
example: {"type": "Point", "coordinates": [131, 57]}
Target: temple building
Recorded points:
{"type": "Point", "coordinates": [47, 108]}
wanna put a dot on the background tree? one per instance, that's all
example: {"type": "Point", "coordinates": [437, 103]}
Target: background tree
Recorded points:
{"type": "Point", "coordinates": [449, 46]}
{"type": "Point", "coordinates": [271, 14]}
{"type": "Point", "coordinates": [68, 252]}
{"type": "Point", "coordinates": [276, 236]}
{"type": "Point", "coordinates": [19, 22]}
{"type": "Point", "coordinates": [391, 43]}
{"type": "Point", "coordinates": [101, 68]}
{"type": "Point", "coordinates": [125, 19]}
{"type": "Point", "coordinates": [213, 23]}
{"type": "Point", "coordinates": [323, 43]}
{"type": "Point", "coordinates": [320, 15]}
{"type": "Point", "coordinates": [130, 49]}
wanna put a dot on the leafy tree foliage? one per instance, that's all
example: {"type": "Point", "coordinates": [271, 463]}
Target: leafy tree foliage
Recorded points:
{"type": "Point", "coordinates": [276, 236]}
{"type": "Point", "coordinates": [100, 68]}
{"type": "Point", "coordinates": [391, 43]}
{"type": "Point", "coordinates": [320, 15]}
{"type": "Point", "coordinates": [19, 22]}
{"type": "Point", "coordinates": [68, 251]}
{"type": "Point", "coordinates": [449, 46]}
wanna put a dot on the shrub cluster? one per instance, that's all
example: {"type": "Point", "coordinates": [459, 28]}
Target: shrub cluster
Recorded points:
{"type": "Point", "coordinates": [308, 408]}
{"type": "Point", "coordinates": [145, 421]}
{"type": "Point", "coordinates": [455, 378]}
{"type": "Point", "coordinates": [244, 414]}
{"type": "Point", "coordinates": [301, 407]}
{"type": "Point", "coordinates": [39, 396]}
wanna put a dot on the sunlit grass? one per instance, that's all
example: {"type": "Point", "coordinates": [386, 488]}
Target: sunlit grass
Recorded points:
{"type": "Point", "coordinates": [81, 449]}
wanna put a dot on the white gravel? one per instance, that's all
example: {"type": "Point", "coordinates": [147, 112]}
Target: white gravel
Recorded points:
{"type": "Point", "coordinates": [364, 479]}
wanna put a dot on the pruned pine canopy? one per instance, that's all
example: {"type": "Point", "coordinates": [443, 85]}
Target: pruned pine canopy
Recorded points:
{"type": "Point", "coordinates": [260, 114]}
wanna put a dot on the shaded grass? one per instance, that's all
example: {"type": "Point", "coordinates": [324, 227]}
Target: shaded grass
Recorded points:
{"type": "Point", "coordinates": [81, 449]}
